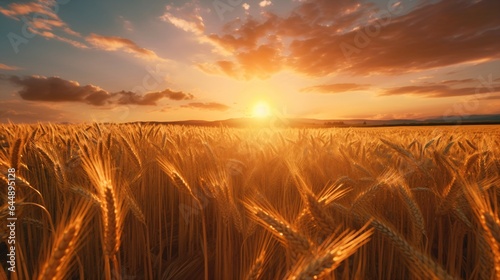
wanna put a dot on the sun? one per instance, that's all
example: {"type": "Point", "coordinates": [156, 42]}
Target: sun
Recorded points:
{"type": "Point", "coordinates": [261, 110]}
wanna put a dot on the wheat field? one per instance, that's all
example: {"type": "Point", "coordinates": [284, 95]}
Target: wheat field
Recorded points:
{"type": "Point", "coordinates": [145, 201]}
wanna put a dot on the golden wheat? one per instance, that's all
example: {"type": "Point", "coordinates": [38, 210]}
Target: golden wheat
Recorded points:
{"type": "Point", "coordinates": [178, 202]}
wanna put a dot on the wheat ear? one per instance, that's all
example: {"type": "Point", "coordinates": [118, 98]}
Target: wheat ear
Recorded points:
{"type": "Point", "coordinates": [322, 218]}
{"type": "Point", "coordinates": [493, 224]}
{"type": "Point", "coordinates": [298, 243]}
{"type": "Point", "coordinates": [15, 155]}
{"type": "Point", "coordinates": [111, 235]}
{"type": "Point", "coordinates": [416, 214]}
{"type": "Point", "coordinates": [61, 252]}
{"type": "Point", "coordinates": [416, 258]}
{"type": "Point", "coordinates": [257, 267]}
{"type": "Point", "coordinates": [332, 252]}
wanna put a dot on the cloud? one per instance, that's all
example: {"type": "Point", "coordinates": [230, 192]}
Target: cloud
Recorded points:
{"type": "Point", "coordinates": [429, 91]}
{"type": "Point", "coordinates": [55, 89]}
{"type": "Point", "coordinates": [207, 106]}
{"type": "Point", "coordinates": [336, 88]}
{"type": "Point", "coordinates": [265, 3]}
{"type": "Point", "coordinates": [41, 19]}
{"type": "Point", "coordinates": [324, 37]}
{"type": "Point", "coordinates": [127, 97]}
{"type": "Point", "coordinates": [127, 24]}
{"type": "Point", "coordinates": [114, 43]}
{"type": "Point", "coordinates": [8, 68]}
{"type": "Point", "coordinates": [186, 17]}
{"type": "Point", "coordinates": [164, 109]}
{"type": "Point", "coordinates": [442, 89]}
{"type": "Point", "coordinates": [397, 116]}
{"type": "Point", "coordinates": [458, 82]}
{"type": "Point", "coordinates": [15, 10]}
{"type": "Point", "coordinates": [491, 97]}
{"type": "Point", "coordinates": [51, 35]}
{"type": "Point", "coordinates": [260, 62]}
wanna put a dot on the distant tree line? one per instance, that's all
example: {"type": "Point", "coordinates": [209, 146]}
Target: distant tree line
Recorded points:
{"type": "Point", "coordinates": [339, 123]}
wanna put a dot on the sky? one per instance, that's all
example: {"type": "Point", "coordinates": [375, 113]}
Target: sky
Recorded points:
{"type": "Point", "coordinates": [124, 61]}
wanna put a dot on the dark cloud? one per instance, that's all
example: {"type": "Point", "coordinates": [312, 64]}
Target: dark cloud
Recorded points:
{"type": "Point", "coordinates": [37, 88]}
{"type": "Point", "coordinates": [126, 97]}
{"type": "Point", "coordinates": [321, 37]}
{"type": "Point", "coordinates": [336, 88]}
{"type": "Point", "coordinates": [55, 89]}
{"type": "Point", "coordinates": [207, 106]}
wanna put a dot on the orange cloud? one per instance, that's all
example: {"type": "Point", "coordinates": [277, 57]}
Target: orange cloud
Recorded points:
{"type": "Point", "coordinates": [336, 88]}
{"type": "Point", "coordinates": [20, 9]}
{"type": "Point", "coordinates": [41, 19]}
{"type": "Point", "coordinates": [443, 89]}
{"type": "Point", "coordinates": [187, 17]}
{"type": "Point", "coordinates": [8, 68]}
{"type": "Point", "coordinates": [265, 3]}
{"type": "Point", "coordinates": [492, 97]}
{"type": "Point", "coordinates": [207, 106]}
{"type": "Point", "coordinates": [114, 43]}
{"type": "Point", "coordinates": [324, 37]}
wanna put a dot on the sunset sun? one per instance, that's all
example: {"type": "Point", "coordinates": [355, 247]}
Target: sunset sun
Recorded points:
{"type": "Point", "coordinates": [261, 110]}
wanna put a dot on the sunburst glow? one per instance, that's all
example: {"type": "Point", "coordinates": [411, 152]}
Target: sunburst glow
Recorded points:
{"type": "Point", "coordinates": [261, 110]}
